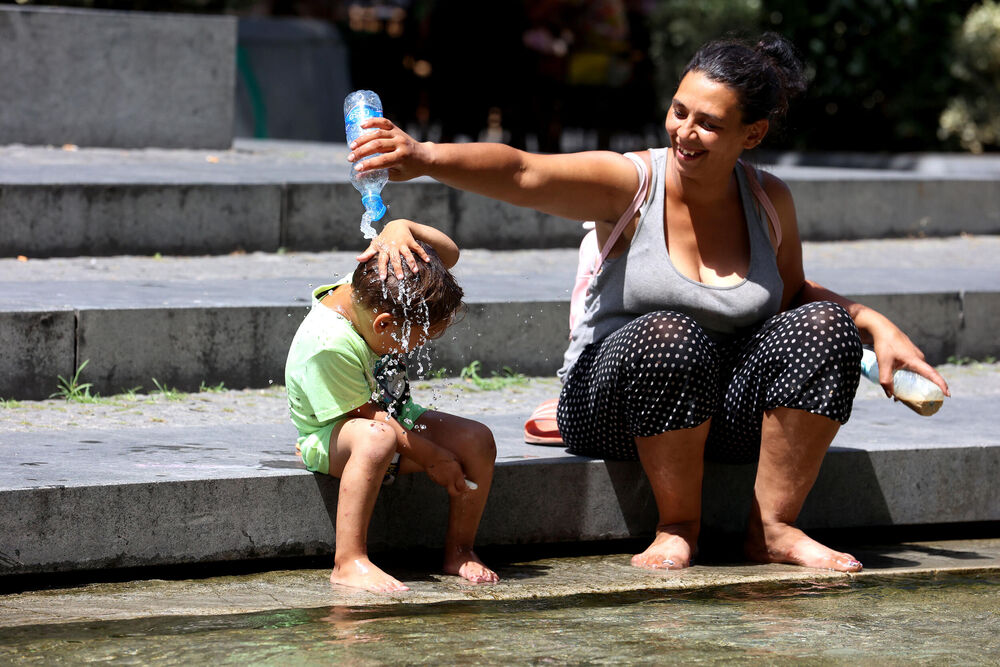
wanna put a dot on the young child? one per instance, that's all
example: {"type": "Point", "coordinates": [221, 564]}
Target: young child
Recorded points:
{"type": "Point", "coordinates": [349, 398]}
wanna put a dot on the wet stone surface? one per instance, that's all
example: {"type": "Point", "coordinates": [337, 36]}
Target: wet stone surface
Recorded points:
{"type": "Point", "coordinates": [522, 578]}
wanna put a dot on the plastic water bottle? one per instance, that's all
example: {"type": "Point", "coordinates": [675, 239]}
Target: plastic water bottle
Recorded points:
{"type": "Point", "coordinates": [359, 106]}
{"type": "Point", "coordinates": [911, 389]}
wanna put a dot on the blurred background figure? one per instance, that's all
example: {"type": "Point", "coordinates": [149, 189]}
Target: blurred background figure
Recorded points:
{"type": "Point", "coordinates": [548, 75]}
{"type": "Point", "coordinates": [567, 75]}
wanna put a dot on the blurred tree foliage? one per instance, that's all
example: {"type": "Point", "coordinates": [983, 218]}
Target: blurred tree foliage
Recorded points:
{"type": "Point", "coordinates": [679, 27]}
{"type": "Point", "coordinates": [879, 70]}
{"type": "Point", "coordinates": [972, 117]}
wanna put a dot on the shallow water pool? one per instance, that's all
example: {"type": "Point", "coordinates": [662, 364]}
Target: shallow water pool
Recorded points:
{"type": "Point", "coordinates": [931, 620]}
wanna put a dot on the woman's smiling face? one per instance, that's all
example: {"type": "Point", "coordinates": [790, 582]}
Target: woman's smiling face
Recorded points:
{"type": "Point", "coordinates": [705, 124]}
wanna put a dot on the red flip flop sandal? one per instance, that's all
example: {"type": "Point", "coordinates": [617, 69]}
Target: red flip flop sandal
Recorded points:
{"type": "Point", "coordinates": [541, 427]}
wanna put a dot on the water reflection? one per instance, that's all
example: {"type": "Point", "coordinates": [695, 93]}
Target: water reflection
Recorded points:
{"type": "Point", "coordinates": [948, 619]}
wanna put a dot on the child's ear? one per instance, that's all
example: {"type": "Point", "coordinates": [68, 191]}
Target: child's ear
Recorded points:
{"type": "Point", "coordinates": [382, 322]}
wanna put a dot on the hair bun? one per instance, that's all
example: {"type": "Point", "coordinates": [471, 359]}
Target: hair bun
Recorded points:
{"type": "Point", "coordinates": [785, 58]}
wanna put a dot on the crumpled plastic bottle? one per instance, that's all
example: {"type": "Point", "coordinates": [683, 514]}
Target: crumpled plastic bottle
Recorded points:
{"type": "Point", "coordinates": [911, 389]}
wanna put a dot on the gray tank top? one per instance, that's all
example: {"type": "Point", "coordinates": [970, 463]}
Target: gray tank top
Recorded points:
{"type": "Point", "coordinates": [644, 280]}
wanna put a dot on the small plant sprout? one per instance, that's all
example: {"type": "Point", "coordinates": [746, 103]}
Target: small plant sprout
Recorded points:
{"type": "Point", "coordinates": [505, 378]}
{"type": "Point", "coordinates": [72, 389]}
{"type": "Point", "coordinates": [214, 389]}
{"type": "Point", "coordinates": [167, 392]}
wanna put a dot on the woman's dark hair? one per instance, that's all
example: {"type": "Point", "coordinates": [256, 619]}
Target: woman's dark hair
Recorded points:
{"type": "Point", "coordinates": [765, 74]}
{"type": "Point", "coordinates": [425, 298]}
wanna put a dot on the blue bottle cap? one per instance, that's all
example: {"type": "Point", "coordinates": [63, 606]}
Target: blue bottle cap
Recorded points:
{"type": "Point", "coordinates": [374, 206]}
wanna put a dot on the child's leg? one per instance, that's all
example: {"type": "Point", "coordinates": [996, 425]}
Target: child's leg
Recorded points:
{"type": "Point", "coordinates": [472, 443]}
{"type": "Point", "coordinates": [360, 453]}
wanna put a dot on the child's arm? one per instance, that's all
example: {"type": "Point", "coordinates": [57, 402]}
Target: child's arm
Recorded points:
{"type": "Point", "coordinates": [440, 465]}
{"type": "Point", "coordinates": [398, 240]}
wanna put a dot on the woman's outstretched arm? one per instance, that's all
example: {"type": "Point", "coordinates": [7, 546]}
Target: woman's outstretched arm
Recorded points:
{"type": "Point", "coordinates": [593, 185]}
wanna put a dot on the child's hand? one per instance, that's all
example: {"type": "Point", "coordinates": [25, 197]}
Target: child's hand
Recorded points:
{"type": "Point", "coordinates": [393, 244]}
{"type": "Point", "coordinates": [446, 471]}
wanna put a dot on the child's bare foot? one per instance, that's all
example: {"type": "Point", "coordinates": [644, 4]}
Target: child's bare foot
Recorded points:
{"type": "Point", "coordinates": [672, 549]}
{"type": "Point", "coordinates": [362, 573]}
{"type": "Point", "coordinates": [783, 543]}
{"type": "Point", "coordinates": [466, 564]}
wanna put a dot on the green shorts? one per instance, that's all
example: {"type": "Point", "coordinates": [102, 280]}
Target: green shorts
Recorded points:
{"type": "Point", "coordinates": [314, 448]}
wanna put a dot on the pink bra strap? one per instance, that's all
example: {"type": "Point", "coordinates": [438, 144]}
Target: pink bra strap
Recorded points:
{"type": "Point", "coordinates": [764, 201]}
{"type": "Point", "coordinates": [637, 201]}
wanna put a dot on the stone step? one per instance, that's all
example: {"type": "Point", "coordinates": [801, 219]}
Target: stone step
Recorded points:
{"type": "Point", "coordinates": [187, 321]}
{"type": "Point", "coordinates": [265, 195]}
{"type": "Point", "coordinates": [214, 477]}
{"type": "Point", "coordinates": [121, 79]}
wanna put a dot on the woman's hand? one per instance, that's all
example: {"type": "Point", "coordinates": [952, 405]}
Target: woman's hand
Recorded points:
{"type": "Point", "coordinates": [894, 350]}
{"type": "Point", "coordinates": [445, 470]}
{"type": "Point", "coordinates": [400, 154]}
{"type": "Point", "coordinates": [394, 244]}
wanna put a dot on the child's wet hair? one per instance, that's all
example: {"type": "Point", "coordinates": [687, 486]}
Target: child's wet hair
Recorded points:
{"type": "Point", "coordinates": [429, 297]}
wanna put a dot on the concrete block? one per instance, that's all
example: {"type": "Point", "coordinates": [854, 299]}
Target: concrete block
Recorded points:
{"type": "Point", "coordinates": [563, 500]}
{"type": "Point", "coordinates": [182, 347]}
{"type": "Point", "coordinates": [322, 216]}
{"type": "Point", "coordinates": [529, 337]}
{"type": "Point", "coordinates": [101, 78]}
{"type": "Point", "coordinates": [85, 499]}
{"type": "Point", "coordinates": [35, 348]}
{"type": "Point", "coordinates": [979, 335]}
{"type": "Point", "coordinates": [898, 488]}
{"type": "Point", "coordinates": [106, 219]}
{"type": "Point", "coordinates": [128, 525]}
{"type": "Point", "coordinates": [482, 222]}
{"type": "Point", "coordinates": [882, 205]}
{"type": "Point", "coordinates": [932, 321]}
{"type": "Point", "coordinates": [292, 79]}
{"type": "Point", "coordinates": [209, 331]}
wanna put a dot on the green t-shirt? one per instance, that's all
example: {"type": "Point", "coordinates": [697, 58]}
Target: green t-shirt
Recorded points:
{"type": "Point", "coordinates": [330, 371]}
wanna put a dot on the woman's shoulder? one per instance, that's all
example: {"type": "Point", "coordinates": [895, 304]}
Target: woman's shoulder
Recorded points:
{"type": "Point", "coordinates": [784, 205]}
{"type": "Point", "coordinates": [775, 188]}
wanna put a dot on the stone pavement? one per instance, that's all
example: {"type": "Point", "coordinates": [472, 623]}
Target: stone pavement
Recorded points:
{"type": "Point", "coordinates": [214, 313]}
{"type": "Point", "coordinates": [264, 195]}
{"type": "Point", "coordinates": [156, 481]}
{"type": "Point", "coordinates": [212, 477]}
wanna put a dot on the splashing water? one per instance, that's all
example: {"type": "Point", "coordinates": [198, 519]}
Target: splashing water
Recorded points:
{"type": "Point", "coordinates": [366, 226]}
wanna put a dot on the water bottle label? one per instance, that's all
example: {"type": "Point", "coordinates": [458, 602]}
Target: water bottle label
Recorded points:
{"type": "Point", "coordinates": [360, 113]}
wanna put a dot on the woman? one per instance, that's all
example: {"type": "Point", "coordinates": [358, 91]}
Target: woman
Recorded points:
{"type": "Point", "coordinates": [702, 336]}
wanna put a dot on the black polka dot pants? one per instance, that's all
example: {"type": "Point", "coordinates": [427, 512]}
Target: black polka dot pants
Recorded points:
{"type": "Point", "coordinates": [661, 372]}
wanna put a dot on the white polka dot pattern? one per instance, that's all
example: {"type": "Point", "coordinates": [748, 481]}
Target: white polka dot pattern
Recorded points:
{"type": "Point", "coordinates": [661, 372]}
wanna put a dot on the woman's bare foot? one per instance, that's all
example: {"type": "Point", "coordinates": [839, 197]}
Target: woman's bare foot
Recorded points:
{"type": "Point", "coordinates": [466, 564]}
{"type": "Point", "coordinates": [362, 573]}
{"type": "Point", "coordinates": [783, 543]}
{"type": "Point", "coordinates": [672, 549]}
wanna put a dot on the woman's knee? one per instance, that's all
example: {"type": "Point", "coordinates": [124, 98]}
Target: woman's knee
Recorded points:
{"type": "Point", "coordinates": [828, 328]}
{"type": "Point", "coordinates": [671, 342]}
